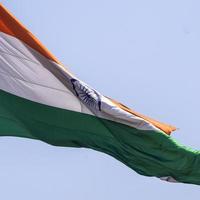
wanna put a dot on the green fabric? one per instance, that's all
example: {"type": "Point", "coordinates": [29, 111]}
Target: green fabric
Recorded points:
{"type": "Point", "coordinates": [147, 152]}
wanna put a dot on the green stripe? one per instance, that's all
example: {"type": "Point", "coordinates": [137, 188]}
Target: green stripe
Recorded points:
{"type": "Point", "coordinates": [147, 152]}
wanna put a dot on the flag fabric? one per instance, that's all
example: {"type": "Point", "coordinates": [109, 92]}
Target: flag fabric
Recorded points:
{"type": "Point", "coordinates": [40, 99]}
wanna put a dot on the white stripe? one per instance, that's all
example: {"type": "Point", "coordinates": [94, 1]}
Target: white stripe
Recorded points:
{"type": "Point", "coordinates": [26, 73]}
{"type": "Point", "coordinates": [22, 73]}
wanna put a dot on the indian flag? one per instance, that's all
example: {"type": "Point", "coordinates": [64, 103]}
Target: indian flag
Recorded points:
{"type": "Point", "coordinates": [40, 99]}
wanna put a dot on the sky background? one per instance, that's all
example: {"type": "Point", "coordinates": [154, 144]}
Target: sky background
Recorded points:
{"type": "Point", "coordinates": [143, 53]}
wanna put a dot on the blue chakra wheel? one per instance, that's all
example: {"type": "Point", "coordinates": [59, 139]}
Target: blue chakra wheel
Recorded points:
{"type": "Point", "coordinates": [87, 95]}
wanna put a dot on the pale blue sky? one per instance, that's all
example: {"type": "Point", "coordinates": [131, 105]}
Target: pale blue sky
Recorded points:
{"type": "Point", "coordinates": [144, 53]}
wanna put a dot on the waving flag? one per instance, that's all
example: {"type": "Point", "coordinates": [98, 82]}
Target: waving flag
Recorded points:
{"type": "Point", "coordinates": [40, 99]}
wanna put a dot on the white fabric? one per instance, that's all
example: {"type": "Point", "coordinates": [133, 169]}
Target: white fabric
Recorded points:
{"type": "Point", "coordinates": [168, 179]}
{"type": "Point", "coordinates": [22, 74]}
{"type": "Point", "coordinates": [25, 73]}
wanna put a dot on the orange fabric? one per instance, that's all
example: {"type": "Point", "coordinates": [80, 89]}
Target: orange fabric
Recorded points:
{"type": "Point", "coordinates": [164, 127]}
{"type": "Point", "coordinates": [10, 25]}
